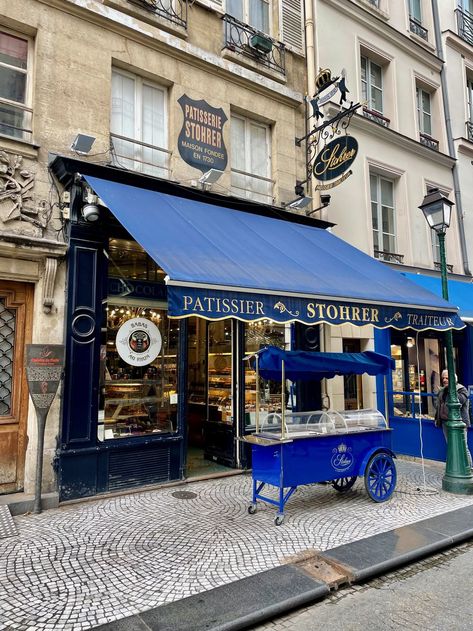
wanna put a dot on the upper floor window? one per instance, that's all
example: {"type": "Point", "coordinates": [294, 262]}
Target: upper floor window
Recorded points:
{"type": "Point", "coordinates": [465, 20]}
{"type": "Point", "coordinates": [372, 84]}
{"type": "Point", "coordinates": [138, 125]}
{"type": "Point", "coordinates": [466, 5]}
{"type": "Point", "coordinates": [424, 111]}
{"type": "Point", "coordinates": [252, 12]}
{"type": "Point", "coordinates": [15, 116]}
{"type": "Point", "coordinates": [251, 159]}
{"type": "Point", "coordinates": [383, 217]}
{"type": "Point", "coordinates": [415, 19]}
{"type": "Point", "coordinates": [469, 100]}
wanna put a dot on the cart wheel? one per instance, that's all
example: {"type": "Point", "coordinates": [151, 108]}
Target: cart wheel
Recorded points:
{"type": "Point", "coordinates": [380, 477]}
{"type": "Point", "coordinates": [278, 520]}
{"type": "Point", "coordinates": [252, 509]}
{"type": "Point", "coordinates": [342, 485]}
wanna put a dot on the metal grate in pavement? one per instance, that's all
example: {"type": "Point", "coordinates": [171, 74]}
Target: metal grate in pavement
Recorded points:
{"type": "Point", "coordinates": [7, 525]}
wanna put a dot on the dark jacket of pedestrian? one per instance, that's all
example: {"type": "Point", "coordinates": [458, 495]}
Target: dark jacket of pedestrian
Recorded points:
{"type": "Point", "coordinates": [441, 413]}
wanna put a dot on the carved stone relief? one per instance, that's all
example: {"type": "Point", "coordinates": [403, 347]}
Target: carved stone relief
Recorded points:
{"type": "Point", "coordinates": [20, 211]}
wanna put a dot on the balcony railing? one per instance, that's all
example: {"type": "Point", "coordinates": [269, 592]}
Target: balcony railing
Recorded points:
{"type": "Point", "coordinates": [428, 141]}
{"type": "Point", "coordinates": [469, 130]}
{"type": "Point", "coordinates": [135, 155]}
{"type": "Point", "coordinates": [437, 266]}
{"type": "Point", "coordinates": [246, 40]}
{"type": "Point", "coordinates": [376, 117]}
{"type": "Point", "coordinates": [389, 257]}
{"type": "Point", "coordinates": [417, 28]}
{"type": "Point", "coordinates": [375, 3]}
{"type": "Point", "coordinates": [16, 120]}
{"type": "Point", "coordinates": [465, 25]}
{"type": "Point", "coordinates": [173, 10]}
{"type": "Point", "coordinates": [251, 186]}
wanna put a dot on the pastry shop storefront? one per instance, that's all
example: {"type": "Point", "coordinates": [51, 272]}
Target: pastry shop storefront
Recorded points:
{"type": "Point", "coordinates": [168, 291]}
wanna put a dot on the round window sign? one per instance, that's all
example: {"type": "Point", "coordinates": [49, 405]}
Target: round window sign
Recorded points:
{"type": "Point", "coordinates": [138, 342]}
{"type": "Point", "coordinates": [335, 158]}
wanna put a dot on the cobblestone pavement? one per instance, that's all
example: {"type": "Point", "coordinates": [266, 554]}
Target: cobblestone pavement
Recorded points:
{"type": "Point", "coordinates": [85, 564]}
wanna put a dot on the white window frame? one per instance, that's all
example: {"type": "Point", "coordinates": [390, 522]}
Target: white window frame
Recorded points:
{"type": "Point", "coordinates": [137, 163]}
{"type": "Point", "coordinates": [421, 113]}
{"type": "Point", "coordinates": [469, 97]}
{"type": "Point", "coordinates": [249, 193]}
{"type": "Point", "coordinates": [415, 10]}
{"type": "Point", "coordinates": [379, 213]}
{"type": "Point", "coordinates": [466, 6]}
{"type": "Point", "coordinates": [369, 85]}
{"type": "Point", "coordinates": [27, 130]}
{"type": "Point", "coordinates": [246, 14]}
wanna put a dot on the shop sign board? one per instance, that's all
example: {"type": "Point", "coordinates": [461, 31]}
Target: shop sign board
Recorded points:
{"type": "Point", "coordinates": [200, 141]}
{"type": "Point", "coordinates": [44, 367]}
{"type": "Point", "coordinates": [335, 158]}
{"type": "Point", "coordinates": [138, 342]}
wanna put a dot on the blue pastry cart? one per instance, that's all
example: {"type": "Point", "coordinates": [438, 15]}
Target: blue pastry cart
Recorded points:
{"type": "Point", "coordinates": [290, 449]}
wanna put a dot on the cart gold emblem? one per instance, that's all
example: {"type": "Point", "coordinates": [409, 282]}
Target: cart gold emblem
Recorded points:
{"type": "Point", "coordinates": [342, 458]}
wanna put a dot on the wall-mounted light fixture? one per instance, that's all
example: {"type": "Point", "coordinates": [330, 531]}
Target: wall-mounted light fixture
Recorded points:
{"type": "Point", "coordinates": [91, 208]}
{"type": "Point", "coordinates": [209, 177]}
{"type": "Point", "coordinates": [82, 143]}
{"type": "Point", "coordinates": [324, 201]}
{"type": "Point", "coordinates": [300, 202]}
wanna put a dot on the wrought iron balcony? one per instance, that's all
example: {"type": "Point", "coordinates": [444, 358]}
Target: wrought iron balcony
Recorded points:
{"type": "Point", "coordinates": [465, 25]}
{"type": "Point", "coordinates": [469, 130]}
{"type": "Point", "coordinates": [428, 141]}
{"type": "Point", "coordinates": [173, 10]}
{"type": "Point", "coordinates": [375, 3]}
{"type": "Point", "coordinates": [244, 39]}
{"type": "Point", "coordinates": [388, 257]}
{"type": "Point", "coordinates": [417, 28]}
{"type": "Point", "coordinates": [376, 117]}
{"type": "Point", "coordinates": [437, 266]}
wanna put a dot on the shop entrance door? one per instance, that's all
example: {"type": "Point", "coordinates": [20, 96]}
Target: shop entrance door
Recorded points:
{"type": "Point", "coordinates": [16, 300]}
{"type": "Point", "coordinates": [210, 409]}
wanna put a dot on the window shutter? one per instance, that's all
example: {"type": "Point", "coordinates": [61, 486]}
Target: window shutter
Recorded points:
{"type": "Point", "coordinates": [292, 28]}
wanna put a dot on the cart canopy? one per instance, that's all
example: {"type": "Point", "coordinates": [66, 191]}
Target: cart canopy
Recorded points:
{"type": "Point", "coordinates": [308, 366]}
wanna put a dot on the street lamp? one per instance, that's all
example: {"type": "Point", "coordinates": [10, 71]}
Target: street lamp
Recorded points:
{"type": "Point", "coordinates": [458, 477]}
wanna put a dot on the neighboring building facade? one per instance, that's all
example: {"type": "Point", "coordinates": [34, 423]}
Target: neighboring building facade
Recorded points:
{"type": "Point", "coordinates": [169, 90]}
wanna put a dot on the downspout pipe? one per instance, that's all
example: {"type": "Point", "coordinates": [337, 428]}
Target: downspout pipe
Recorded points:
{"type": "Point", "coordinates": [451, 145]}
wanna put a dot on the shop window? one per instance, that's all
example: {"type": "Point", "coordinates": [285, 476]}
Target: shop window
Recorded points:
{"type": "Point", "coordinates": [251, 159]}
{"type": "Point", "coordinates": [15, 74]}
{"type": "Point", "coordinates": [258, 335]}
{"type": "Point", "coordinates": [352, 384]}
{"type": "Point", "coordinates": [138, 126]}
{"type": "Point", "coordinates": [383, 217]}
{"type": "Point", "coordinates": [138, 368]}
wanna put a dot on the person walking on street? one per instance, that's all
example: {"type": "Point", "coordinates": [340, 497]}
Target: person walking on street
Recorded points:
{"type": "Point", "coordinates": [441, 413]}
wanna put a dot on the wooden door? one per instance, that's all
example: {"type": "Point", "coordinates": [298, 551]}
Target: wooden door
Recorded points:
{"type": "Point", "coordinates": [16, 305]}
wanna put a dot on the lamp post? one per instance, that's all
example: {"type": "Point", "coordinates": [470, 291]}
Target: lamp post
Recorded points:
{"type": "Point", "coordinates": [458, 477]}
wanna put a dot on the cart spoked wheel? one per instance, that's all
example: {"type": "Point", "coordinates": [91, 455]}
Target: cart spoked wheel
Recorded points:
{"type": "Point", "coordinates": [342, 485]}
{"type": "Point", "coordinates": [380, 477]}
{"type": "Point", "coordinates": [278, 520]}
{"type": "Point", "coordinates": [252, 509]}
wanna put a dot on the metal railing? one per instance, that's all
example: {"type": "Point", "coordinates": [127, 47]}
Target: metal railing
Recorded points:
{"type": "Point", "coordinates": [173, 10]}
{"type": "Point", "coordinates": [261, 48]}
{"type": "Point", "coordinates": [428, 141]}
{"type": "Point", "coordinates": [388, 257]}
{"type": "Point", "coordinates": [376, 117]}
{"type": "Point", "coordinates": [465, 25]}
{"type": "Point", "coordinates": [135, 155]}
{"type": "Point", "coordinates": [22, 130]}
{"type": "Point", "coordinates": [375, 3]}
{"type": "Point", "coordinates": [416, 27]}
{"type": "Point", "coordinates": [469, 130]}
{"type": "Point", "coordinates": [255, 187]}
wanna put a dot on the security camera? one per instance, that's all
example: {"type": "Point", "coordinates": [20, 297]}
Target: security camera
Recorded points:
{"type": "Point", "coordinates": [325, 200]}
{"type": "Point", "coordinates": [91, 212]}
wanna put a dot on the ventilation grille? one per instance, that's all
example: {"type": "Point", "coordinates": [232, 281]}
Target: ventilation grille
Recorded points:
{"type": "Point", "coordinates": [138, 468]}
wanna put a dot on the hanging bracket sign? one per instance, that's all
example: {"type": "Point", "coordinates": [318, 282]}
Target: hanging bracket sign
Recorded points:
{"type": "Point", "coordinates": [200, 141]}
{"type": "Point", "coordinates": [335, 159]}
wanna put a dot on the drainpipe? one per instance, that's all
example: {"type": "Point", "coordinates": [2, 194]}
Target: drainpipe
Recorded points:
{"type": "Point", "coordinates": [451, 145]}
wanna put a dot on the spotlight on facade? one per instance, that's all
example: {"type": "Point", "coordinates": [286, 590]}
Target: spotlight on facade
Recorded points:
{"type": "Point", "coordinates": [82, 143]}
{"type": "Point", "coordinates": [300, 202]}
{"type": "Point", "coordinates": [210, 177]}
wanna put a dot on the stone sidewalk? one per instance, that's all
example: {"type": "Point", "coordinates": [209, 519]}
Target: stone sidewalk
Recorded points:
{"type": "Point", "coordinates": [89, 563]}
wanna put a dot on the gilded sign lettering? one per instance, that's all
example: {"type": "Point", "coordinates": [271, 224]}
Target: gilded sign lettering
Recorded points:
{"type": "Point", "coordinates": [335, 158]}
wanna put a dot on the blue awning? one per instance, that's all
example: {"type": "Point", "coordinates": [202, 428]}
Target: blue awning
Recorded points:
{"type": "Point", "coordinates": [460, 292]}
{"type": "Point", "coordinates": [305, 365]}
{"type": "Point", "coordinates": [225, 263]}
